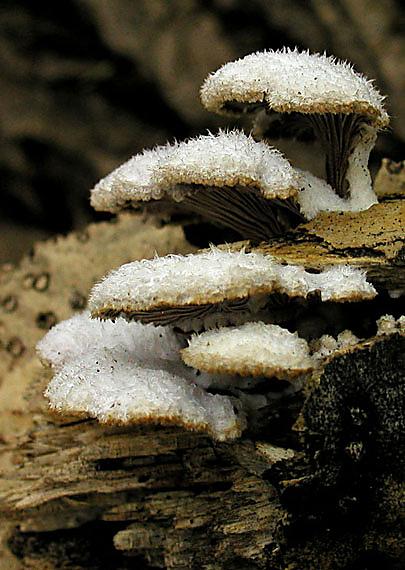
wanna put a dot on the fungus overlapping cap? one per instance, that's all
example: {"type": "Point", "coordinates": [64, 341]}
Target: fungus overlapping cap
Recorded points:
{"type": "Point", "coordinates": [315, 94]}
{"type": "Point", "coordinates": [289, 81]}
{"type": "Point", "coordinates": [227, 179]}
{"type": "Point", "coordinates": [216, 287]}
{"type": "Point", "coordinates": [128, 373]}
{"type": "Point", "coordinates": [132, 372]}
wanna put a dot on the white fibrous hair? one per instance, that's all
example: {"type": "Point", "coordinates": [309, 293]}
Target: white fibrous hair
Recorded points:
{"type": "Point", "coordinates": [254, 349]}
{"type": "Point", "coordinates": [174, 171]}
{"type": "Point", "coordinates": [229, 159]}
{"type": "Point", "coordinates": [292, 81]}
{"type": "Point", "coordinates": [132, 181]}
{"type": "Point", "coordinates": [316, 196]}
{"type": "Point", "coordinates": [216, 276]}
{"type": "Point", "coordinates": [128, 373]}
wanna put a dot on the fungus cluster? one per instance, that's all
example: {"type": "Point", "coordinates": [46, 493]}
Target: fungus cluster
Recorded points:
{"type": "Point", "coordinates": [181, 339]}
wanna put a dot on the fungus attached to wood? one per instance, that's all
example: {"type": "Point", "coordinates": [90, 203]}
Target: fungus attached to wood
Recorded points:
{"type": "Point", "coordinates": [216, 287]}
{"type": "Point", "coordinates": [227, 179]}
{"type": "Point", "coordinates": [311, 94]}
{"type": "Point", "coordinates": [127, 373]}
{"type": "Point", "coordinates": [254, 349]}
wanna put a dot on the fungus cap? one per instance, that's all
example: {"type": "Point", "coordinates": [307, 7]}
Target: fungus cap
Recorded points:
{"type": "Point", "coordinates": [132, 181]}
{"type": "Point", "coordinates": [291, 81]}
{"type": "Point", "coordinates": [228, 159]}
{"type": "Point", "coordinates": [173, 289]}
{"type": "Point", "coordinates": [254, 349]}
{"type": "Point", "coordinates": [226, 178]}
{"type": "Point", "coordinates": [126, 373]}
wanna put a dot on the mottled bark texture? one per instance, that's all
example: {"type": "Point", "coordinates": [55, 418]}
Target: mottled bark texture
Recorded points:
{"type": "Point", "coordinates": [320, 487]}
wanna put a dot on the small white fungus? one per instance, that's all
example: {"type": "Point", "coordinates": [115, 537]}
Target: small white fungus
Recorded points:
{"type": "Point", "coordinates": [254, 349]}
{"type": "Point", "coordinates": [387, 324]}
{"type": "Point", "coordinates": [291, 81]}
{"type": "Point", "coordinates": [327, 345]}
{"type": "Point", "coordinates": [214, 277]}
{"type": "Point", "coordinates": [173, 172]}
{"type": "Point", "coordinates": [128, 373]}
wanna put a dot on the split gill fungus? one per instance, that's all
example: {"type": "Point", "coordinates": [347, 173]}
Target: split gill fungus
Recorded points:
{"type": "Point", "coordinates": [213, 325]}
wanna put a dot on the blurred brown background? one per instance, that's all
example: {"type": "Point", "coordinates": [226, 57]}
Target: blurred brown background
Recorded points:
{"type": "Point", "coordinates": [87, 83]}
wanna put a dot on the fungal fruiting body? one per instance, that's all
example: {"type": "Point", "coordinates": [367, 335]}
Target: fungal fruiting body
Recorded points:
{"type": "Point", "coordinates": [254, 349]}
{"type": "Point", "coordinates": [213, 286]}
{"type": "Point", "coordinates": [123, 372]}
{"type": "Point", "coordinates": [128, 373]}
{"type": "Point", "coordinates": [227, 178]}
{"type": "Point", "coordinates": [302, 91]}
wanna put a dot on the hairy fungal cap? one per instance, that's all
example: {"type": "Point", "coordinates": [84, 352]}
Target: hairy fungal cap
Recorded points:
{"type": "Point", "coordinates": [254, 349]}
{"type": "Point", "coordinates": [175, 288]}
{"type": "Point", "coordinates": [128, 373]}
{"type": "Point", "coordinates": [132, 181]}
{"type": "Point", "coordinates": [226, 178]}
{"type": "Point", "coordinates": [304, 91]}
{"type": "Point", "coordinates": [291, 81]}
{"type": "Point", "coordinates": [229, 159]}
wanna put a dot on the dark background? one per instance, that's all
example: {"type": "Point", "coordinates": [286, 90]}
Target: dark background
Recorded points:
{"type": "Point", "coordinates": [87, 83]}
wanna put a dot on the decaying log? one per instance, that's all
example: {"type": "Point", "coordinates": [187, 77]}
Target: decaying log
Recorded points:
{"type": "Point", "coordinates": [177, 500]}
{"type": "Point", "coordinates": [320, 488]}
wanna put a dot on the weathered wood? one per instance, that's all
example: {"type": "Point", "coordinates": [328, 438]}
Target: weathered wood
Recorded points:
{"type": "Point", "coordinates": [373, 240]}
{"type": "Point", "coordinates": [178, 500]}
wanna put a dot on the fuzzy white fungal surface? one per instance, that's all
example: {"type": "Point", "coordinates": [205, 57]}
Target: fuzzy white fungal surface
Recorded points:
{"type": "Point", "coordinates": [132, 181]}
{"type": "Point", "coordinates": [254, 349]}
{"type": "Point", "coordinates": [327, 345]}
{"type": "Point", "coordinates": [229, 159]}
{"type": "Point", "coordinates": [128, 373]}
{"type": "Point", "coordinates": [291, 81]}
{"type": "Point", "coordinates": [317, 196]}
{"type": "Point", "coordinates": [387, 324]}
{"type": "Point", "coordinates": [215, 276]}
{"type": "Point", "coordinates": [170, 172]}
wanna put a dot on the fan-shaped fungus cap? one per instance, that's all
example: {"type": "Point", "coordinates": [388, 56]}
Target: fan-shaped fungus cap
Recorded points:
{"type": "Point", "coordinates": [195, 289]}
{"type": "Point", "coordinates": [254, 349]}
{"type": "Point", "coordinates": [227, 178]}
{"type": "Point", "coordinates": [310, 91]}
{"type": "Point", "coordinates": [126, 373]}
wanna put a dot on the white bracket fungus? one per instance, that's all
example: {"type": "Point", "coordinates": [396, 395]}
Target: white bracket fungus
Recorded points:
{"type": "Point", "coordinates": [197, 289]}
{"type": "Point", "coordinates": [128, 373]}
{"type": "Point", "coordinates": [227, 179]}
{"type": "Point", "coordinates": [254, 349]}
{"type": "Point", "coordinates": [299, 91]}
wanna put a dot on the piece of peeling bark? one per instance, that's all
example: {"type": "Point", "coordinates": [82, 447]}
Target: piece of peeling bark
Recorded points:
{"type": "Point", "coordinates": [254, 349]}
{"type": "Point", "coordinates": [227, 179]}
{"type": "Point", "coordinates": [309, 95]}
{"type": "Point", "coordinates": [372, 240]}
{"type": "Point", "coordinates": [200, 289]}
{"type": "Point", "coordinates": [127, 373]}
